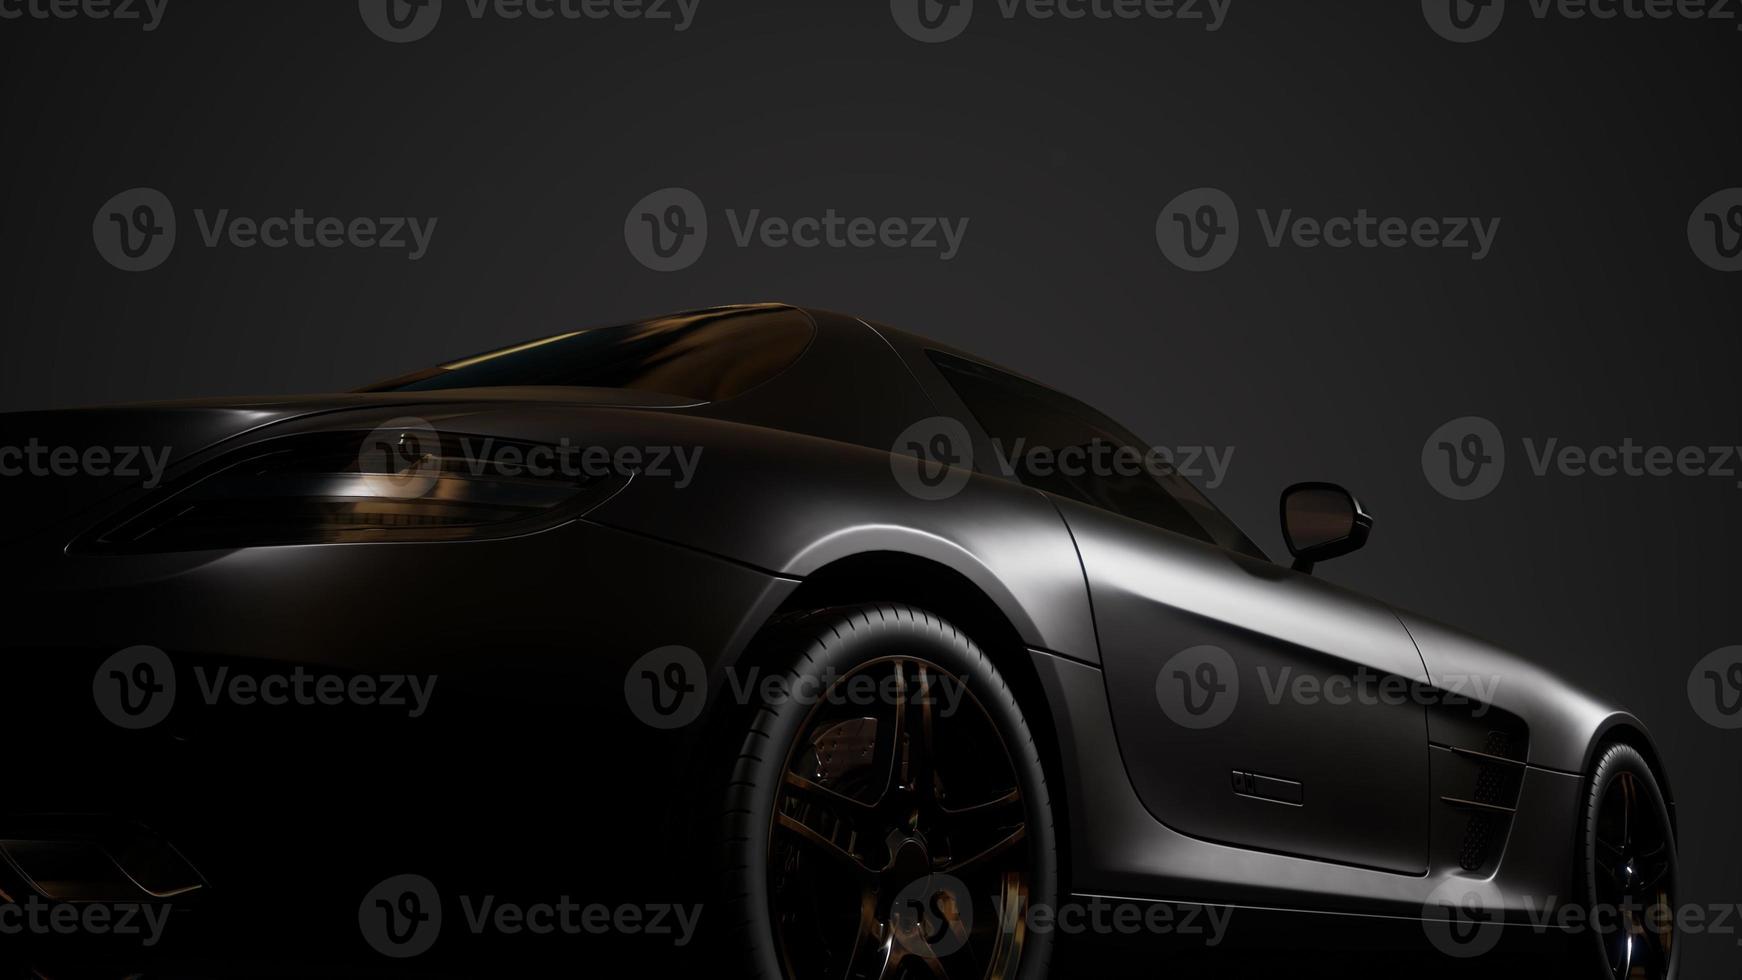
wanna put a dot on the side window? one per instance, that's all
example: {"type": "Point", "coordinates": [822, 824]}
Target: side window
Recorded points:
{"type": "Point", "coordinates": [1061, 446]}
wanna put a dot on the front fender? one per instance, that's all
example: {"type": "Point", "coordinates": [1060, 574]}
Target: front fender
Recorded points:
{"type": "Point", "coordinates": [1566, 724]}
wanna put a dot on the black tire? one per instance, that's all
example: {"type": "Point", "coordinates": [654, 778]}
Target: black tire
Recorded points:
{"type": "Point", "coordinates": [1632, 870]}
{"type": "Point", "coordinates": [826, 647]}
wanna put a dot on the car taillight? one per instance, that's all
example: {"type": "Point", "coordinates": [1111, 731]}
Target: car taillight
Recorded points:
{"type": "Point", "coordinates": [349, 487]}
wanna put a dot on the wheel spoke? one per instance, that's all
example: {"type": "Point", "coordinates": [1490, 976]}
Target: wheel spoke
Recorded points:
{"type": "Point", "coordinates": [1629, 945]}
{"type": "Point", "coordinates": [823, 844]}
{"type": "Point", "coordinates": [1651, 873]}
{"type": "Point", "coordinates": [1661, 942]}
{"type": "Point", "coordinates": [892, 968]}
{"type": "Point", "coordinates": [988, 810]}
{"type": "Point", "coordinates": [1628, 793]}
{"type": "Point", "coordinates": [1011, 926]}
{"type": "Point", "coordinates": [863, 812]}
{"type": "Point", "coordinates": [980, 833]}
{"type": "Point", "coordinates": [1608, 853]}
{"type": "Point", "coordinates": [893, 748]}
{"type": "Point", "coordinates": [1648, 953]}
{"type": "Point", "coordinates": [1003, 846]}
{"type": "Point", "coordinates": [811, 791]}
{"type": "Point", "coordinates": [921, 741]}
{"type": "Point", "coordinates": [923, 947]}
{"type": "Point", "coordinates": [936, 965]}
{"type": "Point", "coordinates": [872, 956]}
{"type": "Point", "coordinates": [1634, 858]}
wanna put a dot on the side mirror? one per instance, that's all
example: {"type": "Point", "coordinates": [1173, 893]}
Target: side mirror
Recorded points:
{"type": "Point", "coordinates": [1321, 521]}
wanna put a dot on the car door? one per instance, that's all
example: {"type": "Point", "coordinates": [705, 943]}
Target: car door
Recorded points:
{"type": "Point", "coordinates": [1254, 705]}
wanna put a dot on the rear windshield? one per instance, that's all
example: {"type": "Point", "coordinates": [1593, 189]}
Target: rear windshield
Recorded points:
{"type": "Point", "coordinates": [709, 356]}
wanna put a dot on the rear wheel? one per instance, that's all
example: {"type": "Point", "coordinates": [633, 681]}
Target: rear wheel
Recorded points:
{"type": "Point", "coordinates": [1630, 868]}
{"type": "Point", "coordinates": [888, 816]}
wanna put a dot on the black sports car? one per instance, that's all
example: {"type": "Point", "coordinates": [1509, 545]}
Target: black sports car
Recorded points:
{"type": "Point", "coordinates": [757, 629]}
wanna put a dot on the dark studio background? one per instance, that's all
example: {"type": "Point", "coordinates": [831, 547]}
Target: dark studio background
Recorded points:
{"type": "Point", "coordinates": [1591, 321]}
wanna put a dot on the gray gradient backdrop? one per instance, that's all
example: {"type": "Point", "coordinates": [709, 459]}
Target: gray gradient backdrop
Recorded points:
{"type": "Point", "coordinates": [1591, 321]}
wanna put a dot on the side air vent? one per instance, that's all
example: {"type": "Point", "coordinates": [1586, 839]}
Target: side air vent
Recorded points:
{"type": "Point", "coordinates": [1481, 788]}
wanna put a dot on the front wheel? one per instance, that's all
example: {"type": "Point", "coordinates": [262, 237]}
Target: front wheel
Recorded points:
{"type": "Point", "coordinates": [887, 815]}
{"type": "Point", "coordinates": [1630, 868]}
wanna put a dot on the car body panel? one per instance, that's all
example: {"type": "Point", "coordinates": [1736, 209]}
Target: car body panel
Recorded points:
{"type": "Point", "coordinates": [795, 476]}
{"type": "Point", "coordinates": [1359, 761]}
{"type": "Point", "coordinates": [1562, 718]}
{"type": "Point", "coordinates": [1122, 850]}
